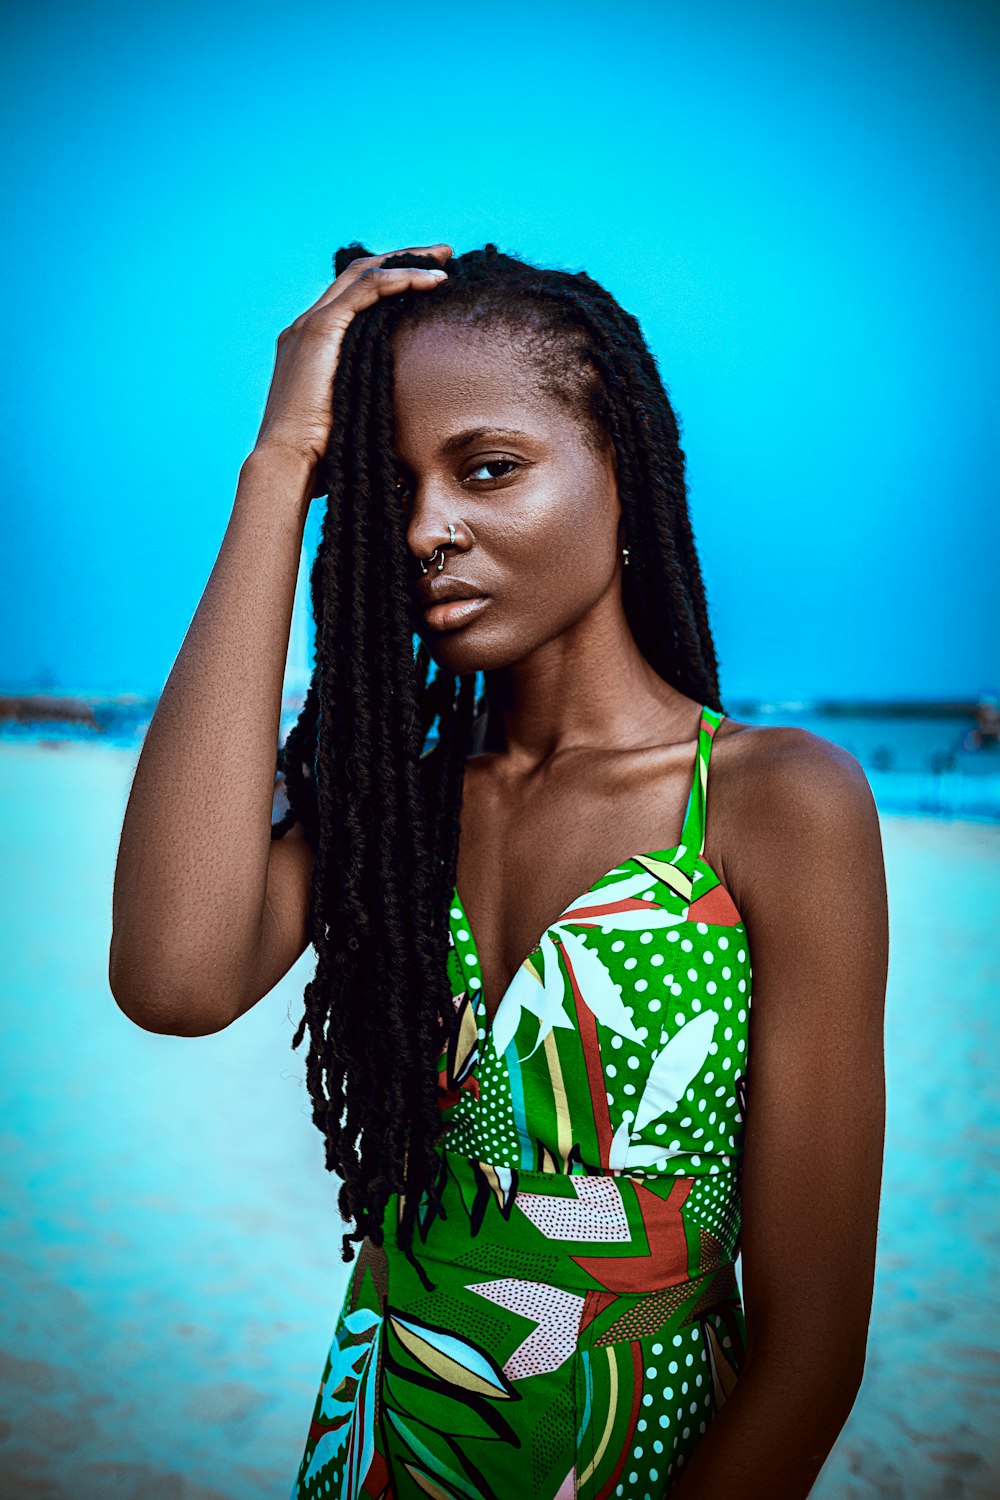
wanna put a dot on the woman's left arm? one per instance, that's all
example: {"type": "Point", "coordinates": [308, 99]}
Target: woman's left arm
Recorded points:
{"type": "Point", "coordinates": [809, 878]}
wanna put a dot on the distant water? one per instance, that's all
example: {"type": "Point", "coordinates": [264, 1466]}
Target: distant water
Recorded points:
{"type": "Point", "coordinates": [170, 1269]}
{"type": "Point", "coordinates": [915, 762]}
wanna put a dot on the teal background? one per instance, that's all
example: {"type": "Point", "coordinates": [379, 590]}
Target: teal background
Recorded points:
{"type": "Point", "coordinates": [796, 201]}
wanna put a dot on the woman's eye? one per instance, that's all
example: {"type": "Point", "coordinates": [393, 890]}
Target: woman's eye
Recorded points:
{"type": "Point", "coordinates": [490, 470]}
{"type": "Point", "coordinates": [493, 463]}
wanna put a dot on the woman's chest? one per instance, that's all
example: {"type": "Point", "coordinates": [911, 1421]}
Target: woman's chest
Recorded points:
{"type": "Point", "coordinates": [527, 853]}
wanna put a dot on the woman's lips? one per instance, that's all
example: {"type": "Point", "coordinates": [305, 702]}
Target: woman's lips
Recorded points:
{"type": "Point", "coordinates": [452, 612]}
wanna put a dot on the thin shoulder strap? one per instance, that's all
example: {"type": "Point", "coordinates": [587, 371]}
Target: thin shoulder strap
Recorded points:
{"type": "Point", "coordinates": [693, 832]}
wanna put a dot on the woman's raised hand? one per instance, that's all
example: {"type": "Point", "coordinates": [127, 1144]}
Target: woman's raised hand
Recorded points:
{"type": "Point", "coordinates": [299, 410]}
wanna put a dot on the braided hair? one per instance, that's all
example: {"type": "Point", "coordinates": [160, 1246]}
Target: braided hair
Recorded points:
{"type": "Point", "coordinates": [380, 812]}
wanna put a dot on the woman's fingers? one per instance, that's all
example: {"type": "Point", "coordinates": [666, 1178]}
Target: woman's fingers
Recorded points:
{"type": "Point", "coordinates": [363, 263]}
{"type": "Point", "coordinates": [368, 286]}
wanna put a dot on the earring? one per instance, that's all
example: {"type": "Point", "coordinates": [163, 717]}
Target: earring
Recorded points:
{"type": "Point", "coordinates": [625, 555]}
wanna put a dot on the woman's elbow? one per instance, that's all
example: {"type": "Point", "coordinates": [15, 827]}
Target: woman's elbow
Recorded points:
{"type": "Point", "coordinates": [165, 1009]}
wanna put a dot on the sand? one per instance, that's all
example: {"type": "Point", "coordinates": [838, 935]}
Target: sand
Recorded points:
{"type": "Point", "coordinates": [171, 1267]}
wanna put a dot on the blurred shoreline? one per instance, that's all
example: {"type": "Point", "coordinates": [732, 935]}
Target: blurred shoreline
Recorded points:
{"type": "Point", "coordinates": [935, 757]}
{"type": "Point", "coordinates": [105, 710]}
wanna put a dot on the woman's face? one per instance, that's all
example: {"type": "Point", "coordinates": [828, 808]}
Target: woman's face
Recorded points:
{"type": "Point", "coordinates": [535, 508]}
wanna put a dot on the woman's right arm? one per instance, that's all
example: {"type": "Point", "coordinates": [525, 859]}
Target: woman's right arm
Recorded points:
{"type": "Point", "coordinates": [208, 911]}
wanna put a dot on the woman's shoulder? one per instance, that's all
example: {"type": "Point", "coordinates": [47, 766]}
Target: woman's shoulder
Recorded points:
{"type": "Point", "coordinates": [768, 759]}
{"type": "Point", "coordinates": [777, 794]}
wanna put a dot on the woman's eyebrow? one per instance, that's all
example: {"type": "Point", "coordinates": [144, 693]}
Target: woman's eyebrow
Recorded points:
{"type": "Point", "coordinates": [461, 440]}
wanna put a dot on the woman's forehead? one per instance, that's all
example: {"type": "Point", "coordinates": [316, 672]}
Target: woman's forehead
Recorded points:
{"type": "Point", "coordinates": [491, 351]}
{"type": "Point", "coordinates": [447, 377]}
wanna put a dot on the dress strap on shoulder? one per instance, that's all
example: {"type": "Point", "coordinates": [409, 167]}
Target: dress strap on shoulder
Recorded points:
{"type": "Point", "coordinates": [693, 831]}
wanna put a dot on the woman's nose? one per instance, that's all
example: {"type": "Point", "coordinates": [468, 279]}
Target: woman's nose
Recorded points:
{"type": "Point", "coordinates": [432, 522]}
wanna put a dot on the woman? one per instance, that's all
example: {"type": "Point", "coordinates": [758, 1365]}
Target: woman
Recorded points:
{"type": "Point", "coordinates": [529, 1047]}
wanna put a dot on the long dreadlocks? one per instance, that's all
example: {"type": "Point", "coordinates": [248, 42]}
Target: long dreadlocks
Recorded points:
{"type": "Point", "coordinates": [381, 816]}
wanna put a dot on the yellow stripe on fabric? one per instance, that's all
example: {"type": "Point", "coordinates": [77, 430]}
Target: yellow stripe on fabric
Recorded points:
{"type": "Point", "coordinates": [564, 1140]}
{"type": "Point", "coordinates": [702, 820]}
{"type": "Point", "coordinates": [609, 1424]}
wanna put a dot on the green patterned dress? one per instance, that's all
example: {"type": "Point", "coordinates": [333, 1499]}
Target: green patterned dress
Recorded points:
{"type": "Point", "coordinates": [585, 1323]}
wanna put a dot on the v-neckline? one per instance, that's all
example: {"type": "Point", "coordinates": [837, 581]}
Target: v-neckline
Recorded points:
{"type": "Point", "coordinates": [665, 856]}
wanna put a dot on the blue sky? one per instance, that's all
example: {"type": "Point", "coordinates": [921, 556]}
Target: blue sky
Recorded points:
{"type": "Point", "coordinates": [798, 204]}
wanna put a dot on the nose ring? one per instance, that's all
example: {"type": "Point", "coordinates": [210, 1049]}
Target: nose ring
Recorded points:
{"type": "Point", "coordinates": [451, 542]}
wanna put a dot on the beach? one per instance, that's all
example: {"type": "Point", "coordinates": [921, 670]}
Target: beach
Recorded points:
{"type": "Point", "coordinates": [172, 1248]}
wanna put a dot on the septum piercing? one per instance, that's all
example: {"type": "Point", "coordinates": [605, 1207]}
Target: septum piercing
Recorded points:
{"type": "Point", "coordinates": [451, 542]}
